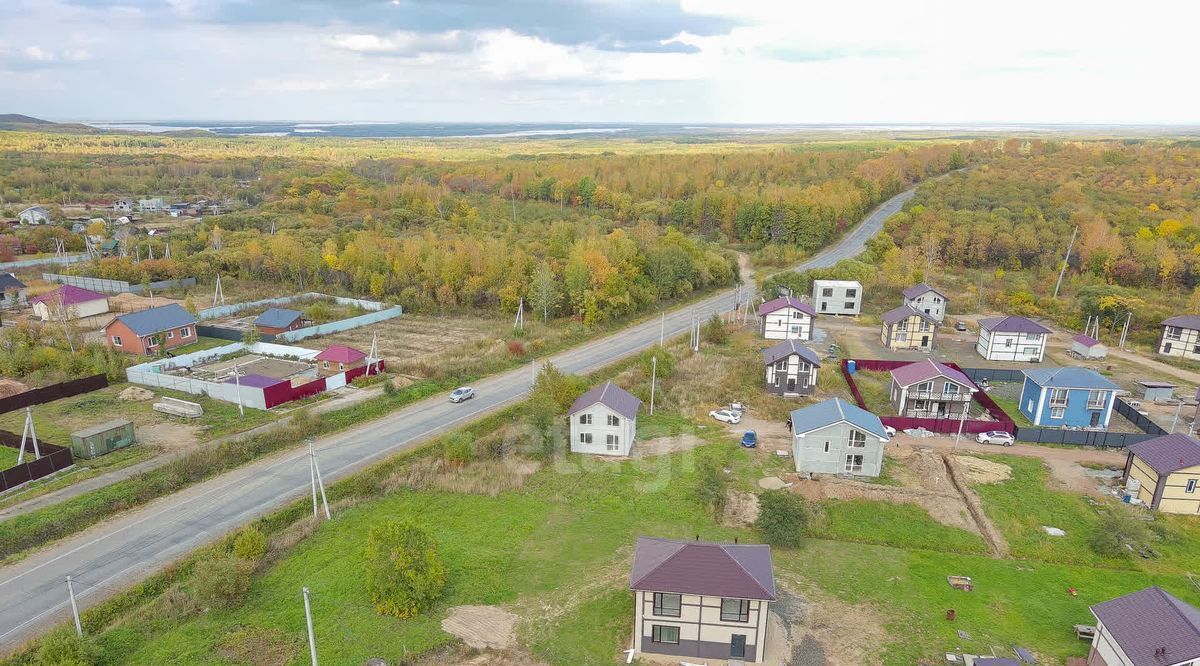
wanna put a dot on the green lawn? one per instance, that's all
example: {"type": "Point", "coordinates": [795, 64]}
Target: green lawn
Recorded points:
{"type": "Point", "coordinates": [1010, 407]}
{"type": "Point", "coordinates": [902, 525]}
{"type": "Point", "coordinates": [8, 457]}
{"type": "Point", "coordinates": [875, 388]}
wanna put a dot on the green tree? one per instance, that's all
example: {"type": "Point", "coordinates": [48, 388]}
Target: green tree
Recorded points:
{"type": "Point", "coordinates": [714, 331]}
{"type": "Point", "coordinates": [405, 574]}
{"type": "Point", "coordinates": [544, 295]}
{"type": "Point", "coordinates": [710, 486]}
{"type": "Point", "coordinates": [782, 518]}
{"type": "Point", "coordinates": [251, 335]}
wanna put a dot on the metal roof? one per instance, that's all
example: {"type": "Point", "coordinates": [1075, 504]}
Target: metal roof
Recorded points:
{"type": "Point", "coordinates": [10, 281]}
{"type": "Point", "coordinates": [785, 302]}
{"type": "Point", "coordinates": [738, 571]}
{"type": "Point", "coordinates": [156, 320]}
{"type": "Point", "coordinates": [835, 410]}
{"type": "Point", "coordinates": [69, 294]}
{"type": "Point", "coordinates": [787, 348]}
{"type": "Point", "coordinates": [101, 427]}
{"type": "Point", "coordinates": [907, 375]}
{"type": "Point", "coordinates": [278, 318]}
{"type": "Point", "coordinates": [1149, 621]}
{"type": "Point", "coordinates": [904, 312]}
{"type": "Point", "coordinates": [1183, 321]}
{"type": "Point", "coordinates": [1012, 324]}
{"type": "Point", "coordinates": [1169, 453]}
{"type": "Point", "coordinates": [918, 289]}
{"type": "Point", "coordinates": [1086, 340]}
{"type": "Point", "coordinates": [255, 381]}
{"type": "Point", "coordinates": [610, 395]}
{"type": "Point", "coordinates": [340, 354]}
{"type": "Point", "coordinates": [1070, 377]}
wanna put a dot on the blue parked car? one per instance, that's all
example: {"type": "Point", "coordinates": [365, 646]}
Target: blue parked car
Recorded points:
{"type": "Point", "coordinates": [750, 439]}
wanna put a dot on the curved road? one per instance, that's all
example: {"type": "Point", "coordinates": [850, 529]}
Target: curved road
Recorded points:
{"type": "Point", "coordinates": [122, 551]}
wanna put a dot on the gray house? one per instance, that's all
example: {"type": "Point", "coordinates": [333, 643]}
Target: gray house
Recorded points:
{"type": "Point", "coordinates": [604, 421]}
{"type": "Point", "coordinates": [1150, 627]}
{"type": "Point", "coordinates": [837, 437]}
{"type": "Point", "coordinates": [791, 369]}
{"type": "Point", "coordinates": [928, 389]}
{"type": "Point", "coordinates": [925, 298]}
{"type": "Point", "coordinates": [701, 599]}
{"type": "Point", "coordinates": [12, 291]}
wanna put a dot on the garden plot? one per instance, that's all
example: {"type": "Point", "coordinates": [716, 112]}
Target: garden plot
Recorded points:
{"type": "Point", "coordinates": [297, 372]}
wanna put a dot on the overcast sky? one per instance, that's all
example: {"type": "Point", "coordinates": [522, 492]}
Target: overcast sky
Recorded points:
{"type": "Point", "coordinates": [739, 61]}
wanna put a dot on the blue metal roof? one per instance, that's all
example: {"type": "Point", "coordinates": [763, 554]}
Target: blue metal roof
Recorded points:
{"type": "Point", "coordinates": [277, 318]}
{"type": "Point", "coordinates": [157, 320]}
{"type": "Point", "coordinates": [835, 410]}
{"type": "Point", "coordinates": [1081, 378]}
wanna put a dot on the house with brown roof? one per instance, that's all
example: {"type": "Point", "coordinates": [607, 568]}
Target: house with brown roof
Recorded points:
{"type": "Point", "coordinates": [1150, 627]}
{"type": "Point", "coordinates": [1180, 337]}
{"type": "Point", "coordinates": [701, 599]}
{"type": "Point", "coordinates": [786, 318]}
{"type": "Point", "coordinates": [791, 369]}
{"type": "Point", "coordinates": [604, 420]}
{"type": "Point", "coordinates": [928, 389]}
{"type": "Point", "coordinates": [1164, 473]}
{"type": "Point", "coordinates": [906, 328]}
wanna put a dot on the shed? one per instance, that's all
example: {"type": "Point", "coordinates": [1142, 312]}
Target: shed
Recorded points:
{"type": "Point", "coordinates": [102, 438]}
{"type": "Point", "coordinates": [1155, 390]}
{"type": "Point", "coordinates": [1085, 346]}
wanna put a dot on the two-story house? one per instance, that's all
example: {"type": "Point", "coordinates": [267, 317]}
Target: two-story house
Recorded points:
{"type": "Point", "coordinates": [1150, 627]}
{"type": "Point", "coordinates": [786, 318]}
{"type": "Point", "coordinates": [932, 390]}
{"type": "Point", "coordinates": [837, 297]}
{"type": "Point", "coordinates": [791, 369]}
{"type": "Point", "coordinates": [1012, 339]}
{"type": "Point", "coordinates": [151, 331]}
{"type": "Point", "coordinates": [924, 298]}
{"type": "Point", "coordinates": [1180, 337]}
{"type": "Point", "coordinates": [837, 437]}
{"type": "Point", "coordinates": [603, 420]}
{"type": "Point", "coordinates": [701, 599]}
{"type": "Point", "coordinates": [1067, 398]}
{"type": "Point", "coordinates": [906, 328]}
{"type": "Point", "coordinates": [1164, 473]}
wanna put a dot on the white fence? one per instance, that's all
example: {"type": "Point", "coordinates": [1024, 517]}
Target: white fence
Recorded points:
{"type": "Point", "coordinates": [226, 310]}
{"type": "Point", "coordinates": [48, 259]}
{"type": "Point", "coordinates": [340, 325]}
{"type": "Point", "coordinates": [114, 286]}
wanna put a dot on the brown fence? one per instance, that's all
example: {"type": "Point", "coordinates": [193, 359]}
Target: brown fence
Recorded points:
{"type": "Point", "coordinates": [52, 392]}
{"type": "Point", "coordinates": [54, 459]}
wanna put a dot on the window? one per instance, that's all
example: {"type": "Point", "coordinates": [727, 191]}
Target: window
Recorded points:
{"type": "Point", "coordinates": [1057, 412]}
{"type": "Point", "coordinates": [824, 306]}
{"type": "Point", "coordinates": [1058, 397]}
{"type": "Point", "coordinates": [851, 293]}
{"type": "Point", "coordinates": [795, 330]}
{"type": "Point", "coordinates": [1097, 399]}
{"type": "Point", "coordinates": [184, 332]}
{"type": "Point", "coordinates": [781, 365]}
{"type": "Point", "coordinates": [848, 305]}
{"type": "Point", "coordinates": [924, 325]}
{"type": "Point", "coordinates": [854, 463]}
{"type": "Point", "coordinates": [585, 438]}
{"type": "Point", "coordinates": [585, 419]}
{"type": "Point", "coordinates": [735, 610]}
{"type": "Point", "coordinates": [827, 292]}
{"type": "Point", "coordinates": [924, 387]}
{"type": "Point", "coordinates": [325, 364]}
{"type": "Point", "coordinates": [858, 439]}
{"type": "Point", "coordinates": [1008, 342]}
{"type": "Point", "coordinates": [1030, 351]}
{"type": "Point", "coordinates": [341, 366]}
{"type": "Point", "coordinates": [920, 404]}
{"type": "Point", "coordinates": [1191, 486]}
{"type": "Point", "coordinates": [614, 420]}
{"type": "Point", "coordinates": [612, 442]}
{"type": "Point", "coordinates": [826, 447]}
{"type": "Point", "coordinates": [951, 388]}
{"type": "Point", "coordinates": [666, 604]}
{"type": "Point", "coordinates": [116, 341]}
{"type": "Point", "coordinates": [1174, 333]}
{"type": "Point", "coordinates": [664, 634]}
{"type": "Point", "coordinates": [902, 337]}
{"type": "Point", "coordinates": [170, 335]}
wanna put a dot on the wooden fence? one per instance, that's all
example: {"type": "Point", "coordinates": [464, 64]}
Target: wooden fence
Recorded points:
{"type": "Point", "coordinates": [52, 392]}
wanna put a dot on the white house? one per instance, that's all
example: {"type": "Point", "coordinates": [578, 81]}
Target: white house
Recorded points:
{"type": "Point", "coordinates": [837, 437]}
{"type": "Point", "coordinates": [12, 291]}
{"type": "Point", "coordinates": [924, 298]}
{"type": "Point", "coordinates": [1151, 627]}
{"type": "Point", "coordinates": [1180, 337]}
{"type": "Point", "coordinates": [837, 297]}
{"type": "Point", "coordinates": [786, 318]}
{"type": "Point", "coordinates": [150, 205]}
{"type": "Point", "coordinates": [69, 302]}
{"type": "Point", "coordinates": [604, 420]}
{"type": "Point", "coordinates": [34, 215]}
{"type": "Point", "coordinates": [701, 600]}
{"type": "Point", "coordinates": [1012, 339]}
{"type": "Point", "coordinates": [123, 206]}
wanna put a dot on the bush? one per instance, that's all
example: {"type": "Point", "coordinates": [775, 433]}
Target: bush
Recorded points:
{"type": "Point", "coordinates": [1115, 530]}
{"type": "Point", "coordinates": [250, 544]}
{"type": "Point", "coordinates": [458, 450]}
{"type": "Point", "coordinates": [516, 348]}
{"type": "Point", "coordinates": [405, 574]}
{"type": "Point", "coordinates": [221, 580]}
{"type": "Point", "coordinates": [62, 647]}
{"type": "Point", "coordinates": [714, 331]}
{"type": "Point", "coordinates": [389, 387]}
{"type": "Point", "coordinates": [782, 518]}
{"type": "Point", "coordinates": [666, 362]}
{"type": "Point", "coordinates": [710, 486]}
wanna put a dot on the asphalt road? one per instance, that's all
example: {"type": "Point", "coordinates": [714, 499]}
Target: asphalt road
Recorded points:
{"type": "Point", "coordinates": [122, 551]}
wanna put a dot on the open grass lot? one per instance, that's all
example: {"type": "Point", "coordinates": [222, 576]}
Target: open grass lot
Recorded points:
{"type": "Point", "coordinates": [8, 457]}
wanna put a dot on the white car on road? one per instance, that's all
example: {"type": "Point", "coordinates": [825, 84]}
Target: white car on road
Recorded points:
{"type": "Point", "coordinates": [726, 415]}
{"type": "Point", "coordinates": [462, 393]}
{"type": "Point", "coordinates": [995, 437]}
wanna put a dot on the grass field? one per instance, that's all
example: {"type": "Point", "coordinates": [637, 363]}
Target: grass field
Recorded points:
{"type": "Point", "coordinates": [8, 457]}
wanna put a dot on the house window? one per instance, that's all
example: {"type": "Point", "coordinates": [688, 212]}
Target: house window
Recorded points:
{"type": "Point", "coordinates": [1008, 342]}
{"type": "Point", "coordinates": [116, 339]}
{"type": "Point", "coordinates": [585, 419]}
{"type": "Point", "coordinates": [1030, 351]}
{"type": "Point", "coordinates": [1097, 399]}
{"type": "Point", "coordinates": [1191, 486]}
{"type": "Point", "coordinates": [826, 447]}
{"type": "Point", "coordinates": [341, 366]}
{"type": "Point", "coordinates": [851, 293]}
{"type": "Point", "coordinates": [665, 634]}
{"type": "Point", "coordinates": [667, 605]}
{"type": "Point", "coordinates": [795, 330]}
{"type": "Point", "coordinates": [854, 463]}
{"type": "Point", "coordinates": [824, 306]}
{"type": "Point", "coordinates": [612, 442]}
{"type": "Point", "coordinates": [614, 420]}
{"type": "Point", "coordinates": [781, 365]}
{"type": "Point", "coordinates": [902, 337]}
{"type": "Point", "coordinates": [1058, 397]}
{"type": "Point", "coordinates": [858, 440]}
{"type": "Point", "coordinates": [325, 364]}
{"type": "Point", "coordinates": [1058, 412]}
{"type": "Point", "coordinates": [585, 438]}
{"type": "Point", "coordinates": [827, 292]}
{"type": "Point", "coordinates": [184, 332]}
{"type": "Point", "coordinates": [920, 404]}
{"type": "Point", "coordinates": [735, 610]}
{"type": "Point", "coordinates": [170, 335]}
{"type": "Point", "coordinates": [849, 305]}
{"type": "Point", "coordinates": [1174, 333]}
{"type": "Point", "coordinates": [951, 388]}
{"type": "Point", "coordinates": [924, 387]}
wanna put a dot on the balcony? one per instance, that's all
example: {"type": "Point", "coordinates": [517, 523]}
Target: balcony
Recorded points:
{"type": "Point", "coordinates": [961, 396]}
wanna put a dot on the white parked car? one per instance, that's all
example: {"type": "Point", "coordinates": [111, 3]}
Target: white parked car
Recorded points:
{"type": "Point", "coordinates": [726, 415]}
{"type": "Point", "coordinates": [995, 437]}
{"type": "Point", "coordinates": [462, 393]}
{"type": "Point", "coordinates": [891, 432]}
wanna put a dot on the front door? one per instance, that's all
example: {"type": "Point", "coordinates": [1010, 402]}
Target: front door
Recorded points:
{"type": "Point", "coordinates": [791, 385]}
{"type": "Point", "coordinates": [737, 646]}
{"type": "Point", "coordinates": [941, 410]}
{"type": "Point", "coordinates": [1095, 419]}
{"type": "Point", "coordinates": [924, 342]}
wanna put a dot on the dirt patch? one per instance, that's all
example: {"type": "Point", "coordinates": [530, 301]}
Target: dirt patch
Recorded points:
{"type": "Point", "coordinates": [945, 506]}
{"type": "Point", "coordinates": [126, 302]}
{"type": "Point", "coordinates": [823, 630]}
{"type": "Point", "coordinates": [168, 435]}
{"type": "Point", "coordinates": [11, 387]}
{"type": "Point", "coordinates": [259, 647]}
{"type": "Point", "coordinates": [664, 445]}
{"type": "Point", "coordinates": [741, 509]}
{"type": "Point", "coordinates": [135, 394]}
{"type": "Point", "coordinates": [484, 477]}
{"type": "Point", "coordinates": [996, 543]}
{"type": "Point", "coordinates": [978, 470]}
{"type": "Point", "coordinates": [482, 627]}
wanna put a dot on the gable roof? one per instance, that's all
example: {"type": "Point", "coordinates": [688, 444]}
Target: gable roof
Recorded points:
{"type": "Point", "coordinates": [156, 320]}
{"type": "Point", "coordinates": [341, 354]}
{"type": "Point", "coordinates": [278, 318]}
{"type": "Point", "coordinates": [34, 209]}
{"type": "Point", "coordinates": [907, 375]}
{"type": "Point", "coordinates": [835, 410]}
{"type": "Point", "coordinates": [1086, 340]}
{"type": "Point", "coordinates": [786, 302]}
{"type": "Point", "coordinates": [1169, 453]}
{"type": "Point", "coordinates": [739, 571]}
{"type": "Point", "coordinates": [918, 289]}
{"type": "Point", "coordinates": [610, 395]}
{"type": "Point", "coordinates": [10, 281]}
{"type": "Point", "coordinates": [1183, 321]}
{"type": "Point", "coordinates": [1012, 324]}
{"type": "Point", "coordinates": [1149, 620]}
{"type": "Point", "coordinates": [1070, 377]}
{"type": "Point", "coordinates": [69, 294]}
{"type": "Point", "coordinates": [787, 348]}
{"type": "Point", "coordinates": [904, 312]}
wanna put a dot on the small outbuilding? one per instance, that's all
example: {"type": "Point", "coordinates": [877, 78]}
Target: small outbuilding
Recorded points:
{"type": "Point", "coordinates": [69, 302]}
{"type": "Point", "coordinates": [102, 438]}
{"type": "Point", "coordinates": [12, 290]}
{"type": "Point", "coordinates": [340, 358]}
{"type": "Point", "coordinates": [604, 421]}
{"type": "Point", "coordinates": [1087, 347]}
{"type": "Point", "coordinates": [1155, 391]}
{"type": "Point", "coordinates": [278, 320]}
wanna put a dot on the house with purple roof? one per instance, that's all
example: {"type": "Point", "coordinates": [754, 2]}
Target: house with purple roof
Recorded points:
{"type": "Point", "coordinates": [791, 369]}
{"type": "Point", "coordinates": [69, 302]}
{"type": "Point", "coordinates": [786, 318]}
{"type": "Point", "coordinates": [907, 328]}
{"type": "Point", "coordinates": [1150, 627]}
{"type": "Point", "coordinates": [701, 599]}
{"type": "Point", "coordinates": [924, 298]}
{"type": "Point", "coordinates": [604, 420]}
{"type": "Point", "coordinates": [1164, 472]}
{"type": "Point", "coordinates": [932, 390]}
{"type": "Point", "coordinates": [1012, 339]}
{"type": "Point", "coordinates": [1180, 337]}
{"type": "Point", "coordinates": [1087, 347]}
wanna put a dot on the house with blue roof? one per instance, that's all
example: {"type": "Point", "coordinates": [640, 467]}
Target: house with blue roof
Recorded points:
{"type": "Point", "coordinates": [837, 437]}
{"type": "Point", "coordinates": [1067, 398]}
{"type": "Point", "coordinates": [278, 320]}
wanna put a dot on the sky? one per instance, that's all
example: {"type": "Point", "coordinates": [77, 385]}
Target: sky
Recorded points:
{"type": "Point", "coordinates": [671, 61]}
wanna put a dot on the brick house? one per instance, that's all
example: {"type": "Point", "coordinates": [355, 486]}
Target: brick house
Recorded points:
{"type": "Point", "coordinates": [151, 331]}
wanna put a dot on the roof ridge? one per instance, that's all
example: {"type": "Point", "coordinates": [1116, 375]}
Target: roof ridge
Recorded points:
{"type": "Point", "coordinates": [682, 545]}
{"type": "Point", "coordinates": [1171, 599]}
{"type": "Point", "coordinates": [744, 569]}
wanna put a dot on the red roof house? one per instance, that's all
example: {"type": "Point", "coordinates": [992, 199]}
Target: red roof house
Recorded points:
{"type": "Point", "coordinates": [340, 358]}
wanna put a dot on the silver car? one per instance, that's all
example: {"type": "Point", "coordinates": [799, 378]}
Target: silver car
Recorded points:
{"type": "Point", "coordinates": [995, 437]}
{"type": "Point", "coordinates": [462, 393]}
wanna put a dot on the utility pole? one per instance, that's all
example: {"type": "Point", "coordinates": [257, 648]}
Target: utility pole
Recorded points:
{"type": "Point", "coordinates": [532, 372]}
{"type": "Point", "coordinates": [1125, 329]}
{"type": "Point", "coordinates": [237, 380]}
{"type": "Point", "coordinates": [962, 419]}
{"type": "Point", "coordinates": [74, 608]}
{"type": "Point", "coordinates": [31, 434]}
{"type": "Point", "coordinates": [317, 481]}
{"type": "Point", "coordinates": [312, 640]}
{"type": "Point", "coordinates": [218, 293]}
{"type": "Point", "coordinates": [662, 329]}
{"type": "Point", "coordinates": [653, 380]}
{"type": "Point", "coordinates": [1066, 260]}
{"type": "Point", "coordinates": [1175, 421]}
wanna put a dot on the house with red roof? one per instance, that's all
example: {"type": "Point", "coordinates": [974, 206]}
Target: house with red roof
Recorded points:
{"type": "Point", "coordinates": [701, 599]}
{"type": "Point", "coordinates": [69, 302]}
{"type": "Point", "coordinates": [340, 358]}
{"type": "Point", "coordinates": [786, 318]}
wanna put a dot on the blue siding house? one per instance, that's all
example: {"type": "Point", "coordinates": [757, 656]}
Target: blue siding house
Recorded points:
{"type": "Point", "coordinates": [1067, 398]}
